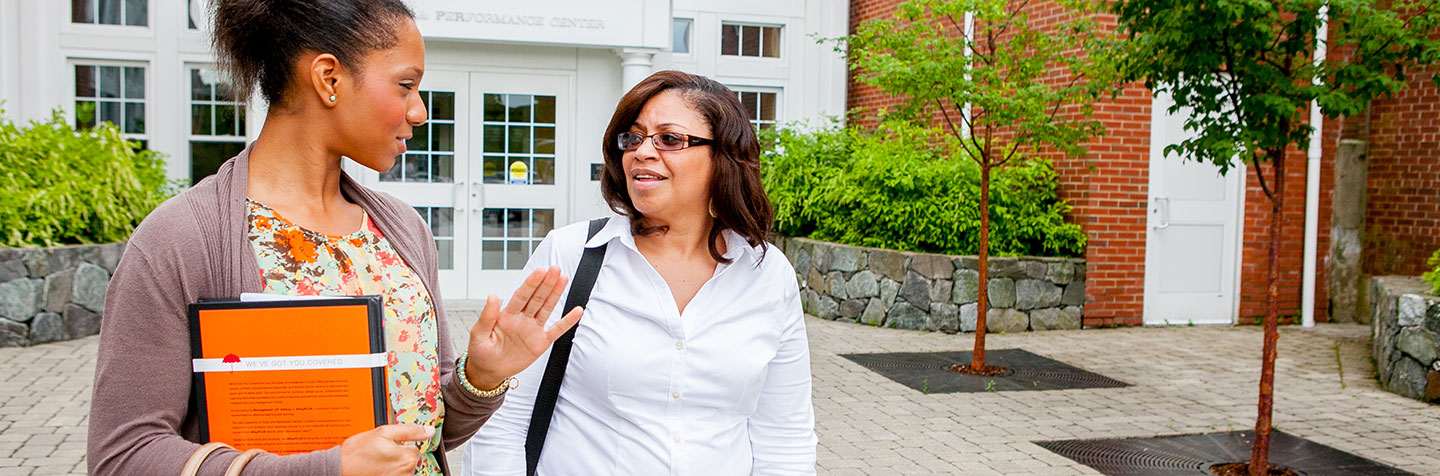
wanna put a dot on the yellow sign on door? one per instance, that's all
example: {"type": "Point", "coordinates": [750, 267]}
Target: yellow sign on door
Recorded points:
{"type": "Point", "coordinates": [519, 173]}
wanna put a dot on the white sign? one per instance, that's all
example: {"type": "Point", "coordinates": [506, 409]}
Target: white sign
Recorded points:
{"type": "Point", "coordinates": [606, 23]}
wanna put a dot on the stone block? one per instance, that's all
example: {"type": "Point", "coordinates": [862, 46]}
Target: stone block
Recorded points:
{"type": "Point", "coordinates": [810, 300]}
{"type": "Point", "coordinates": [20, 299]}
{"type": "Point", "coordinates": [890, 264]}
{"type": "Point", "coordinates": [835, 285]}
{"type": "Point", "coordinates": [1053, 318]}
{"type": "Point", "coordinates": [846, 258]}
{"type": "Point", "coordinates": [90, 284]}
{"type": "Point", "coordinates": [820, 257]}
{"type": "Point", "coordinates": [889, 289]}
{"type": "Point", "coordinates": [43, 261]}
{"type": "Point", "coordinates": [967, 286]}
{"type": "Point", "coordinates": [1419, 344]}
{"type": "Point", "coordinates": [1411, 310]}
{"type": "Point", "coordinates": [11, 254]}
{"type": "Point", "coordinates": [1079, 271]}
{"type": "Point", "coordinates": [852, 308]}
{"type": "Point", "coordinates": [1074, 294]}
{"type": "Point", "coordinates": [80, 322]}
{"type": "Point", "coordinates": [905, 316]}
{"type": "Point", "coordinates": [1006, 320]}
{"type": "Point", "coordinates": [802, 261]}
{"type": "Point", "coordinates": [1408, 378]}
{"type": "Point", "coordinates": [863, 285]}
{"type": "Point", "coordinates": [1060, 273]}
{"type": "Point", "coordinates": [1036, 294]}
{"type": "Point", "coordinates": [816, 281]}
{"type": "Point", "coordinates": [1077, 314]}
{"type": "Point", "coordinates": [110, 256]}
{"type": "Point", "coordinates": [874, 313]}
{"type": "Point", "coordinates": [12, 270]}
{"type": "Point", "coordinates": [966, 262]}
{"type": "Point", "coordinates": [1035, 269]}
{"type": "Point", "coordinates": [940, 290]}
{"type": "Point", "coordinates": [13, 334]}
{"type": "Point", "coordinates": [1000, 293]}
{"type": "Point", "coordinates": [944, 317]}
{"type": "Point", "coordinates": [59, 290]}
{"type": "Point", "coordinates": [1005, 268]}
{"type": "Point", "coordinates": [968, 315]}
{"type": "Point", "coordinates": [46, 327]}
{"type": "Point", "coordinates": [916, 291]}
{"type": "Point", "coordinates": [1432, 318]}
{"type": "Point", "coordinates": [932, 266]}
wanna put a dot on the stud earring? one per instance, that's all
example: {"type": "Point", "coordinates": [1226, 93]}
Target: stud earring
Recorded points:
{"type": "Point", "coordinates": [332, 98]}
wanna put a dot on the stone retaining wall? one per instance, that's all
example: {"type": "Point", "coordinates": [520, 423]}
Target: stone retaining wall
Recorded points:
{"type": "Point", "coordinates": [1405, 320]}
{"type": "Point", "coordinates": [934, 292]}
{"type": "Point", "coordinates": [50, 294]}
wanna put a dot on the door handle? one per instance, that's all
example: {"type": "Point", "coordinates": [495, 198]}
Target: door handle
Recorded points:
{"type": "Point", "coordinates": [1162, 205]}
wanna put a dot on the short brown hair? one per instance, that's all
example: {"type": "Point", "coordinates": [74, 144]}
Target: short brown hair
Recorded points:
{"type": "Point", "coordinates": [735, 189]}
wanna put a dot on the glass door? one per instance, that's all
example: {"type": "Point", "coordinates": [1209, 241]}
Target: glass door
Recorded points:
{"type": "Point", "coordinates": [431, 175]}
{"type": "Point", "coordinates": [518, 189]}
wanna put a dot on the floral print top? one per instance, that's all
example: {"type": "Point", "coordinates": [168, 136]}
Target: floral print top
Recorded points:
{"type": "Point", "coordinates": [296, 261]}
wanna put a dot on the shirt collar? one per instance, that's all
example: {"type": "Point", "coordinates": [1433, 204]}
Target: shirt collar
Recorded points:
{"type": "Point", "coordinates": [619, 228]}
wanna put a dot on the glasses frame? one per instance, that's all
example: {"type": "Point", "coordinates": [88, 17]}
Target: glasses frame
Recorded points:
{"type": "Point", "coordinates": [687, 141]}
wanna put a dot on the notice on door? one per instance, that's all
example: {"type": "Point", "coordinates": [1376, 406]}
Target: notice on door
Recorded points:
{"type": "Point", "coordinates": [519, 173]}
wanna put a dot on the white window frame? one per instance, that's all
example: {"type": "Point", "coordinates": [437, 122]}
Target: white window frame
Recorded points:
{"type": "Point", "coordinates": [689, 36]}
{"type": "Point", "coordinates": [145, 66]}
{"type": "Point", "coordinates": [190, 103]}
{"type": "Point", "coordinates": [779, 104]}
{"type": "Point", "coordinates": [740, 41]}
{"type": "Point", "coordinates": [95, 10]}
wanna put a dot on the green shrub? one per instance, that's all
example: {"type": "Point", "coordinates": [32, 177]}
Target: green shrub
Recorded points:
{"type": "Point", "coordinates": [896, 188]}
{"type": "Point", "coordinates": [1433, 276]}
{"type": "Point", "coordinates": [59, 185]}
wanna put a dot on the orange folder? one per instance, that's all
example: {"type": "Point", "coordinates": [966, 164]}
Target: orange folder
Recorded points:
{"type": "Point", "coordinates": [288, 376]}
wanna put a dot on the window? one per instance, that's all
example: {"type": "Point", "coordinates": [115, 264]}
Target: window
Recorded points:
{"type": "Point", "coordinates": [509, 235]}
{"type": "Point", "coordinates": [194, 11]}
{"type": "Point", "coordinates": [442, 226]}
{"type": "Point", "coordinates": [430, 152]}
{"type": "Point", "coordinates": [110, 12]}
{"type": "Point", "coordinates": [760, 41]}
{"type": "Point", "coordinates": [760, 108]}
{"type": "Point", "coordinates": [680, 44]}
{"type": "Point", "coordinates": [113, 93]}
{"type": "Point", "coordinates": [519, 139]}
{"type": "Point", "coordinates": [217, 122]}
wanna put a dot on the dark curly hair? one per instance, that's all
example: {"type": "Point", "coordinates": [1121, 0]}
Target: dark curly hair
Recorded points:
{"type": "Point", "coordinates": [735, 189]}
{"type": "Point", "coordinates": [257, 41]}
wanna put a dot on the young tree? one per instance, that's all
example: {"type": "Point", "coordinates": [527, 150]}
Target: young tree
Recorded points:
{"type": "Point", "coordinates": [1026, 88]}
{"type": "Point", "coordinates": [1246, 68]}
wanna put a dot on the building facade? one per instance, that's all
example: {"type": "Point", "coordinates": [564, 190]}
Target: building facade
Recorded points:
{"type": "Point", "coordinates": [518, 94]}
{"type": "Point", "coordinates": [1175, 242]}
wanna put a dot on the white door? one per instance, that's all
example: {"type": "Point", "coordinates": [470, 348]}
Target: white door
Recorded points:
{"type": "Point", "coordinates": [519, 185]}
{"type": "Point", "coordinates": [431, 176]}
{"type": "Point", "coordinates": [1193, 231]}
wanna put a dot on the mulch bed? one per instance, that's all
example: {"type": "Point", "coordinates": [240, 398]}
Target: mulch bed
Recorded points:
{"type": "Point", "coordinates": [929, 372]}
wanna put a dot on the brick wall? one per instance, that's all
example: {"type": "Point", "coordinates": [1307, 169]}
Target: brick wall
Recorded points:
{"type": "Point", "coordinates": [1402, 225]}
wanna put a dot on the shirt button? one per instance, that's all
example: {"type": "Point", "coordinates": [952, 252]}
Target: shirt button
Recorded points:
{"type": "Point", "coordinates": [676, 438]}
{"type": "Point", "coordinates": [675, 395]}
{"type": "Point", "coordinates": [679, 345]}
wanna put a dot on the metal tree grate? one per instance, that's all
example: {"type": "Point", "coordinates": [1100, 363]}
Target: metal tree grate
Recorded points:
{"type": "Point", "coordinates": [928, 372]}
{"type": "Point", "coordinates": [1195, 454]}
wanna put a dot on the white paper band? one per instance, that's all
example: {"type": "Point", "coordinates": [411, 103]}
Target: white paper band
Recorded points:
{"type": "Point", "coordinates": [303, 362]}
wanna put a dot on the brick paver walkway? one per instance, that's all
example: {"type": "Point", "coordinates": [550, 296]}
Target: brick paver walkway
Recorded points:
{"type": "Point", "coordinates": [1186, 380]}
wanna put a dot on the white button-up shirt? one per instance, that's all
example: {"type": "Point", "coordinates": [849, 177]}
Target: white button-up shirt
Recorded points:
{"type": "Point", "coordinates": [722, 389]}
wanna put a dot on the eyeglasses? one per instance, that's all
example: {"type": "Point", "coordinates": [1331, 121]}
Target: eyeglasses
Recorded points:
{"type": "Point", "coordinates": [667, 141]}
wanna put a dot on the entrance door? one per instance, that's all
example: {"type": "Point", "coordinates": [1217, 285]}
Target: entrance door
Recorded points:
{"type": "Point", "coordinates": [486, 172]}
{"type": "Point", "coordinates": [518, 186]}
{"type": "Point", "coordinates": [1193, 231]}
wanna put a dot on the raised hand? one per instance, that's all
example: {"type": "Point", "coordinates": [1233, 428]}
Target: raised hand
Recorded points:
{"type": "Point", "coordinates": [505, 341]}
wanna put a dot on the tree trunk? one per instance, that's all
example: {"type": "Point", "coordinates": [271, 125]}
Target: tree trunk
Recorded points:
{"type": "Point", "coordinates": [982, 301]}
{"type": "Point", "coordinates": [1260, 451]}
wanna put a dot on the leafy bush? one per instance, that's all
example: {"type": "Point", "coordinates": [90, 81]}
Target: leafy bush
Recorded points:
{"type": "Point", "coordinates": [1433, 276]}
{"type": "Point", "coordinates": [896, 188]}
{"type": "Point", "coordinates": [59, 185]}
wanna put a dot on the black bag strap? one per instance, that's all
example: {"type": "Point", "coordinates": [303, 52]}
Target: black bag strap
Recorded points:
{"type": "Point", "coordinates": [549, 392]}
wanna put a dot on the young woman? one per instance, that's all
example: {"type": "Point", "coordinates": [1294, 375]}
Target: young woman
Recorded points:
{"type": "Point", "coordinates": [342, 80]}
{"type": "Point", "coordinates": [692, 358]}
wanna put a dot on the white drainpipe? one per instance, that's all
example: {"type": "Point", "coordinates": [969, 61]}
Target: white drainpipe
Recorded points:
{"type": "Point", "coordinates": [1312, 184]}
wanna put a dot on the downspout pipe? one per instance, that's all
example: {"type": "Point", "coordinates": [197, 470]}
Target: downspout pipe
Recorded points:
{"type": "Point", "coordinates": [1312, 183]}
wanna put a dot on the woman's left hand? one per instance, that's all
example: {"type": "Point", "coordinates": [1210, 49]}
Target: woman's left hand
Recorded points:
{"type": "Point", "coordinates": [505, 341]}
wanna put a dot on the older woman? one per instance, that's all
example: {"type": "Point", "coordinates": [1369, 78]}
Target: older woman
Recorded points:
{"type": "Point", "coordinates": [692, 356]}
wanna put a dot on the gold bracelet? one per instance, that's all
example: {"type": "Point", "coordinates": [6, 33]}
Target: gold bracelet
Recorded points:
{"type": "Point", "coordinates": [504, 386]}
